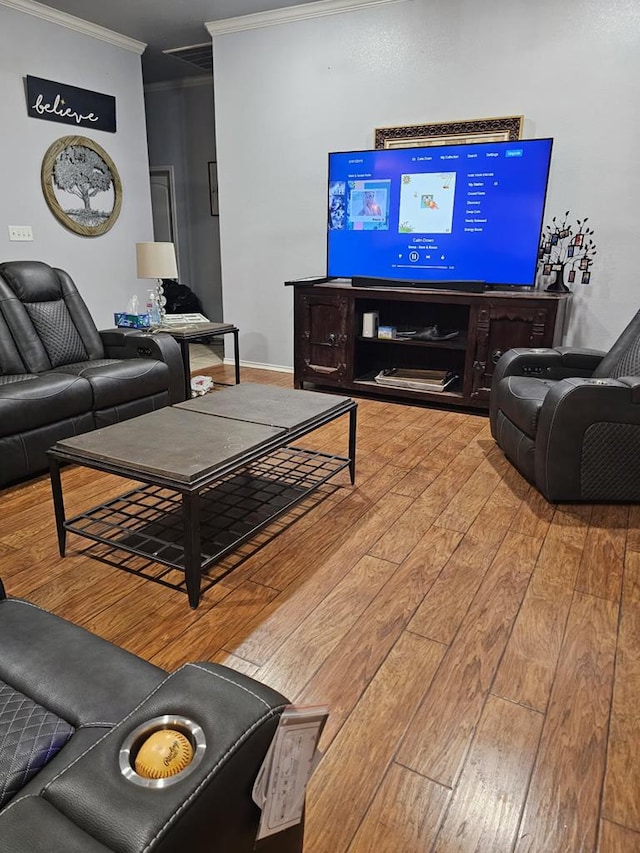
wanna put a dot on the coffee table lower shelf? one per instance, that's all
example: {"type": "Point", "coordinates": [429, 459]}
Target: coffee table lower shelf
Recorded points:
{"type": "Point", "coordinates": [144, 532]}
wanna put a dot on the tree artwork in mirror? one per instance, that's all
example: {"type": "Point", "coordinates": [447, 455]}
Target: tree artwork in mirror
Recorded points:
{"type": "Point", "coordinates": [81, 185]}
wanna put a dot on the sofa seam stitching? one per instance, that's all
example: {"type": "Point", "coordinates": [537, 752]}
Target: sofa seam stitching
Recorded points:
{"type": "Point", "coordinates": [229, 681]}
{"type": "Point", "coordinates": [106, 734]}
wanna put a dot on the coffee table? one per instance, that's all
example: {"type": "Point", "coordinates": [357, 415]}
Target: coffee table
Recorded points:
{"type": "Point", "coordinates": [212, 473]}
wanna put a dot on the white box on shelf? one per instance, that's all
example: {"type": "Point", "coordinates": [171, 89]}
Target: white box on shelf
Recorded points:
{"type": "Point", "coordinates": [370, 321]}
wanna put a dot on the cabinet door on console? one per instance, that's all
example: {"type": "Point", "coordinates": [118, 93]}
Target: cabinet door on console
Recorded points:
{"type": "Point", "coordinates": [322, 322]}
{"type": "Point", "coordinates": [499, 328]}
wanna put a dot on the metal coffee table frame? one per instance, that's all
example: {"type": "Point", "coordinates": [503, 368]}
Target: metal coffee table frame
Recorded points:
{"type": "Point", "coordinates": [261, 486]}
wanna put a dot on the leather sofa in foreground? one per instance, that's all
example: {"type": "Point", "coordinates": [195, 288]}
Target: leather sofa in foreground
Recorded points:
{"type": "Point", "coordinates": [60, 376]}
{"type": "Point", "coordinates": [70, 700]}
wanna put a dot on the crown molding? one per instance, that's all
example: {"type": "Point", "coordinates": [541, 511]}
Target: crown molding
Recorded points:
{"type": "Point", "coordinates": [294, 13]}
{"type": "Point", "coordinates": [46, 13]}
{"type": "Point", "coordinates": [182, 83]}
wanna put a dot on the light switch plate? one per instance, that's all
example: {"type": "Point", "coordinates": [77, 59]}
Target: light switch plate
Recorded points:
{"type": "Point", "coordinates": [20, 232]}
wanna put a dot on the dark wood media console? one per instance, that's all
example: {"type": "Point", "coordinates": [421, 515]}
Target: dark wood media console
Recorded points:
{"type": "Point", "coordinates": [330, 351]}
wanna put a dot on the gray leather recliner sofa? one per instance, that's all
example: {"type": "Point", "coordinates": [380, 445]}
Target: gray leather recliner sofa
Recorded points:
{"type": "Point", "coordinates": [60, 376]}
{"type": "Point", "coordinates": [70, 700]}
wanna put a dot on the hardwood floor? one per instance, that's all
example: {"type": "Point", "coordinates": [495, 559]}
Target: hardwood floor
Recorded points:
{"type": "Point", "coordinates": [479, 648]}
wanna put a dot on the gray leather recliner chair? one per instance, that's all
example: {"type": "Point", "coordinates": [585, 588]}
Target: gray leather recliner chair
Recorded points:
{"type": "Point", "coordinates": [569, 419]}
{"type": "Point", "coordinates": [69, 701]}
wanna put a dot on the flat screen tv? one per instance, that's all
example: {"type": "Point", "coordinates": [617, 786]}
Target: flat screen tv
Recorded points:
{"type": "Point", "coordinates": [439, 213]}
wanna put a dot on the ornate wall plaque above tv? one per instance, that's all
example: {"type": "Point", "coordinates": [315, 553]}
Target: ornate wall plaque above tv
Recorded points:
{"type": "Point", "coordinates": [53, 101]}
{"type": "Point", "coordinates": [77, 170]}
{"type": "Point", "coordinates": [503, 129]}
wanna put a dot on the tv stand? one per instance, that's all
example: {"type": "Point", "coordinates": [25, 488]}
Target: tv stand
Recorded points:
{"type": "Point", "coordinates": [330, 350]}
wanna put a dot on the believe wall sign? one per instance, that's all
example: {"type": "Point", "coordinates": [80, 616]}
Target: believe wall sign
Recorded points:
{"type": "Point", "coordinates": [70, 105]}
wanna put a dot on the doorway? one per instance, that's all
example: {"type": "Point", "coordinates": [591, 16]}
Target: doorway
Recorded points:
{"type": "Point", "coordinates": [163, 207]}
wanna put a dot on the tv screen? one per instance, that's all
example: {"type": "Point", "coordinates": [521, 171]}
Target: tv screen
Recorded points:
{"type": "Point", "coordinates": [447, 213]}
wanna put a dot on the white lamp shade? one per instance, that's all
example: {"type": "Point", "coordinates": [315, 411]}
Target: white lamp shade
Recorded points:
{"type": "Point", "coordinates": [156, 260]}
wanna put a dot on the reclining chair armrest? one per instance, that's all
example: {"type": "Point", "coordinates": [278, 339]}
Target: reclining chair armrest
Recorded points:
{"type": "Point", "coordinates": [573, 410]}
{"type": "Point", "coordinates": [579, 361]}
{"type": "Point", "coordinates": [211, 809]}
{"type": "Point", "coordinates": [515, 362]}
{"type": "Point", "coordinates": [633, 384]}
{"type": "Point", "coordinates": [133, 343]}
{"type": "Point", "coordinates": [548, 363]}
{"type": "Point", "coordinates": [542, 363]}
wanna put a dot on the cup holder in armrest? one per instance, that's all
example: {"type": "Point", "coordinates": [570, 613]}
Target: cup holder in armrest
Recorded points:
{"type": "Point", "coordinates": [140, 735]}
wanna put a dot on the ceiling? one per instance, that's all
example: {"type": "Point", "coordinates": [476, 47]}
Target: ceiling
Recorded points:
{"type": "Point", "coordinates": [165, 24]}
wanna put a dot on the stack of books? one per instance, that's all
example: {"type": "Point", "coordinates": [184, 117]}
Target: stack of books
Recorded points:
{"type": "Point", "coordinates": [416, 379]}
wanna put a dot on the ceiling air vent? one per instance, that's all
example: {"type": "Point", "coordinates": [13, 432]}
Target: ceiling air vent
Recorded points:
{"type": "Point", "coordinates": [200, 55]}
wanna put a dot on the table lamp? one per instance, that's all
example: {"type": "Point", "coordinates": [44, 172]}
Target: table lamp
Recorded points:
{"type": "Point", "coordinates": [157, 260]}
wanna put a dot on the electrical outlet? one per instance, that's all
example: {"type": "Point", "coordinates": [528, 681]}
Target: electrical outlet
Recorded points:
{"type": "Point", "coordinates": [20, 232]}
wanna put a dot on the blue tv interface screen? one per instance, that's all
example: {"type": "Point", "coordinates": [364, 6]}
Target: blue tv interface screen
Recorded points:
{"type": "Point", "coordinates": [451, 212]}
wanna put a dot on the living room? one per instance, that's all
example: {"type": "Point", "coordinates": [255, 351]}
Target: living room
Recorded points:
{"type": "Point", "coordinates": [324, 613]}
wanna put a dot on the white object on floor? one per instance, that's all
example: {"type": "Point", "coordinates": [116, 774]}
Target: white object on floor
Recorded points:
{"type": "Point", "coordinates": [200, 385]}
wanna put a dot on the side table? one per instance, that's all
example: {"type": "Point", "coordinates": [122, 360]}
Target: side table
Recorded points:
{"type": "Point", "coordinates": [183, 334]}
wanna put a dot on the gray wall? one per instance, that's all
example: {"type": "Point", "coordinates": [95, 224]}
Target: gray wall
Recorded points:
{"type": "Point", "coordinates": [181, 133]}
{"type": "Point", "coordinates": [288, 94]}
{"type": "Point", "coordinates": [103, 267]}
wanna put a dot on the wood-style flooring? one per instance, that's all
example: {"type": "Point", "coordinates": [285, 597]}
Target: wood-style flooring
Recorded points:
{"type": "Point", "coordinates": [479, 648]}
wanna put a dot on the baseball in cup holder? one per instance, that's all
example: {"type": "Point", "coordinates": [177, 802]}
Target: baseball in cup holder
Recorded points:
{"type": "Point", "coordinates": [162, 751]}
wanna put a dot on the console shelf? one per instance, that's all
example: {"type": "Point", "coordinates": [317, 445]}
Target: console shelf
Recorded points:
{"type": "Point", "coordinates": [448, 397]}
{"type": "Point", "coordinates": [329, 349]}
{"type": "Point", "coordinates": [456, 343]}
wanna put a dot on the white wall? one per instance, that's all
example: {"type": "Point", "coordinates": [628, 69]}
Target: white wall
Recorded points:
{"type": "Point", "coordinates": [288, 94]}
{"type": "Point", "coordinates": [102, 267]}
{"type": "Point", "coordinates": [181, 133]}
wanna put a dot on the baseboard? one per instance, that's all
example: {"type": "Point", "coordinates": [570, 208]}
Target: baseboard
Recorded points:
{"type": "Point", "coordinates": [279, 368]}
